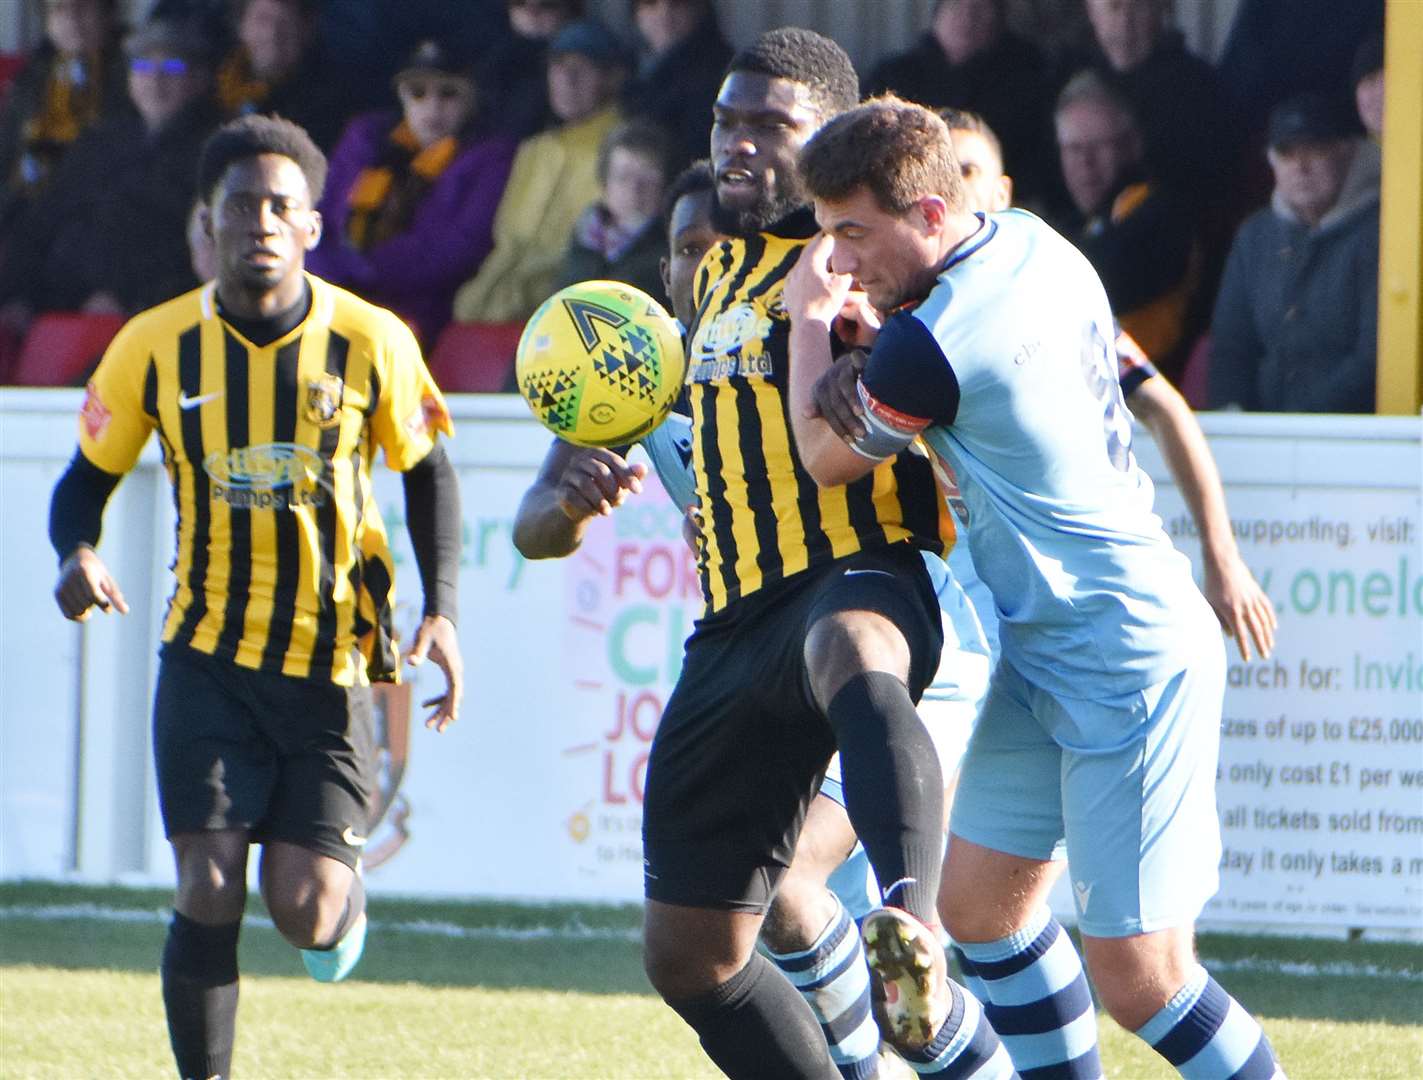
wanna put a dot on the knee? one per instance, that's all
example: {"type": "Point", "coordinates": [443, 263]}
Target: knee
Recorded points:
{"type": "Point", "coordinates": [1136, 976]}
{"type": "Point", "coordinates": [680, 970]}
{"type": "Point", "coordinates": [307, 914]}
{"type": "Point", "coordinates": [211, 889]}
{"type": "Point", "coordinates": [799, 913]}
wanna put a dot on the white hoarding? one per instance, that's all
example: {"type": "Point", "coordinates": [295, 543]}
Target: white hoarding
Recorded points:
{"type": "Point", "coordinates": [537, 791]}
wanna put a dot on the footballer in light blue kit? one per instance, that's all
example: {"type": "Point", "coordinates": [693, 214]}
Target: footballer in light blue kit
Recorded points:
{"type": "Point", "coordinates": [1099, 736]}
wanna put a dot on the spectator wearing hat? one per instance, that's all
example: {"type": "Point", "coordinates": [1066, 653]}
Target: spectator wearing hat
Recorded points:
{"type": "Point", "coordinates": [619, 237]}
{"type": "Point", "coordinates": [969, 59]}
{"type": "Point", "coordinates": [276, 66]}
{"type": "Point", "coordinates": [73, 79]}
{"type": "Point", "coordinates": [411, 195]}
{"type": "Point", "coordinates": [106, 234]}
{"type": "Point", "coordinates": [1296, 319]}
{"type": "Point", "coordinates": [555, 176]}
{"type": "Point", "coordinates": [1138, 234]}
{"type": "Point", "coordinates": [515, 69]}
{"type": "Point", "coordinates": [679, 72]}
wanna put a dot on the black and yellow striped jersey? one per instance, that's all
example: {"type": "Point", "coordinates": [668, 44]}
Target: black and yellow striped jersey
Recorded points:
{"type": "Point", "coordinates": [764, 517]}
{"type": "Point", "coordinates": [282, 560]}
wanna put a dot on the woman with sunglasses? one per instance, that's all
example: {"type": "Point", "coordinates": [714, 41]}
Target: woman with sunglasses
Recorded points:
{"type": "Point", "coordinates": [410, 200]}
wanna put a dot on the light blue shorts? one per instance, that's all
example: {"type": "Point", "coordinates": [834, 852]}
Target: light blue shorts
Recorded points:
{"type": "Point", "coordinates": [1124, 787]}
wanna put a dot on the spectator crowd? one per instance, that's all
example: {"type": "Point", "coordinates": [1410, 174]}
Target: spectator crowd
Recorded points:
{"type": "Point", "coordinates": [485, 153]}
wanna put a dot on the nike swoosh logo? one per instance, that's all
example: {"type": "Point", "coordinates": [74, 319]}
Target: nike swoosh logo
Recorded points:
{"type": "Point", "coordinates": [886, 573]}
{"type": "Point", "coordinates": [185, 402]}
{"type": "Point", "coordinates": [349, 835]}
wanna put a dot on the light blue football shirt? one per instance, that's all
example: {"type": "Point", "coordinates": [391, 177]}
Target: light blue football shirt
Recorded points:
{"type": "Point", "coordinates": [1008, 372]}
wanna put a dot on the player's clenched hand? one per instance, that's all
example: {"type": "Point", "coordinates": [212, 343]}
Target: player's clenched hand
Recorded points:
{"type": "Point", "coordinates": [836, 397]}
{"type": "Point", "coordinates": [85, 583]}
{"type": "Point", "coordinates": [1242, 606]}
{"type": "Point", "coordinates": [858, 323]}
{"type": "Point", "coordinates": [813, 291]}
{"type": "Point", "coordinates": [437, 639]}
{"type": "Point", "coordinates": [595, 481]}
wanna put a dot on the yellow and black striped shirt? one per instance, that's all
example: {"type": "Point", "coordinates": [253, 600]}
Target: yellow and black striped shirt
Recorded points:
{"type": "Point", "coordinates": [282, 560]}
{"type": "Point", "coordinates": [764, 517]}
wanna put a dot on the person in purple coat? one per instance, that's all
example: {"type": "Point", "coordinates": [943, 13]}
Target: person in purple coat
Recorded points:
{"type": "Point", "coordinates": [409, 205]}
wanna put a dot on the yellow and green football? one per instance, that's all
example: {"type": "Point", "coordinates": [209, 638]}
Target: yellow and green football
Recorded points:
{"type": "Point", "coordinates": [600, 363]}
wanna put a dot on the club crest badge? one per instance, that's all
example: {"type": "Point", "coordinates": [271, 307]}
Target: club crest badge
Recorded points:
{"type": "Point", "coordinates": [323, 400]}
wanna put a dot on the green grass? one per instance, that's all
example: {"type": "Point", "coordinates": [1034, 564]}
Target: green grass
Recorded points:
{"type": "Point", "coordinates": [80, 997]}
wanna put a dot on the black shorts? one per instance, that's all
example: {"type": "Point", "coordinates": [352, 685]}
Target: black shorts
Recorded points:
{"type": "Point", "coordinates": [742, 746]}
{"type": "Point", "coordinates": [285, 758]}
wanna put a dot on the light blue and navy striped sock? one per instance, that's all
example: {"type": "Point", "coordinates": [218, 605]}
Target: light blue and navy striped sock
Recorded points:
{"type": "Point", "coordinates": [1208, 1035]}
{"type": "Point", "coordinates": [832, 976]}
{"type": "Point", "coordinates": [1036, 997]}
{"type": "Point", "coordinates": [965, 1047]}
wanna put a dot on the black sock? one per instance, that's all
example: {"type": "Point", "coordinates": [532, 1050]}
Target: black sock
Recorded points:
{"type": "Point", "coordinates": [894, 788]}
{"type": "Point", "coordinates": [355, 904]}
{"type": "Point", "coordinates": [755, 1026]}
{"type": "Point", "coordinates": [200, 995]}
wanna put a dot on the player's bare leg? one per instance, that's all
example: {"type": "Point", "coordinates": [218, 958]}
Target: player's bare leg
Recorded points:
{"type": "Point", "coordinates": [318, 904]}
{"type": "Point", "coordinates": [1153, 984]}
{"type": "Point", "coordinates": [1017, 959]}
{"type": "Point", "coordinates": [750, 1020]}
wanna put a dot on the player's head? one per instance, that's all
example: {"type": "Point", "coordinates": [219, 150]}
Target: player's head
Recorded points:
{"type": "Point", "coordinates": [980, 156]}
{"type": "Point", "coordinates": [776, 93]}
{"type": "Point", "coordinates": [687, 209]}
{"type": "Point", "coordinates": [261, 177]}
{"type": "Point", "coordinates": [1098, 139]}
{"type": "Point", "coordinates": [887, 188]}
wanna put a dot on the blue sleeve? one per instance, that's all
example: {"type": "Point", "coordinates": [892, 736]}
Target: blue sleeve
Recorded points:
{"type": "Point", "coordinates": [907, 386]}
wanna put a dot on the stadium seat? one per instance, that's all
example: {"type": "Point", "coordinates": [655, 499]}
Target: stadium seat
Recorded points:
{"type": "Point", "coordinates": [1195, 375]}
{"type": "Point", "coordinates": [11, 64]}
{"type": "Point", "coordinates": [61, 347]}
{"type": "Point", "coordinates": [475, 357]}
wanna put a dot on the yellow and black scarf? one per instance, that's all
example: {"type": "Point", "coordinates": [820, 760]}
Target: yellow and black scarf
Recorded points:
{"type": "Point", "coordinates": [72, 100]}
{"type": "Point", "coordinates": [383, 199]}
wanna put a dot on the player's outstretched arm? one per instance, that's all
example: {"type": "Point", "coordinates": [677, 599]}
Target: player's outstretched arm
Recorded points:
{"type": "Point", "coordinates": [76, 514]}
{"type": "Point", "coordinates": [1241, 605]}
{"type": "Point", "coordinates": [432, 515]}
{"type": "Point", "coordinates": [574, 485]}
{"type": "Point", "coordinates": [814, 297]}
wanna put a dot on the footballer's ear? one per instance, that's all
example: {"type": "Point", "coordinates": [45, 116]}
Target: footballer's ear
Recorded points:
{"type": "Point", "coordinates": [204, 216]}
{"type": "Point", "coordinates": [313, 230]}
{"type": "Point", "coordinates": [933, 211]}
{"type": "Point", "coordinates": [664, 268]}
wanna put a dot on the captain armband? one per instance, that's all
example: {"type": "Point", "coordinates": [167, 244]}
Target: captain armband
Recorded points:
{"type": "Point", "coordinates": [887, 430]}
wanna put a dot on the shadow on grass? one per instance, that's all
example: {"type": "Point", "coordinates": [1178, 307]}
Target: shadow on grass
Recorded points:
{"type": "Point", "coordinates": [449, 951]}
{"type": "Point", "coordinates": [1299, 978]}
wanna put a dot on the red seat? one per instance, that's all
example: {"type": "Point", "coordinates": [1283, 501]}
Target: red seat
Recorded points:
{"type": "Point", "coordinates": [1195, 376]}
{"type": "Point", "coordinates": [11, 64]}
{"type": "Point", "coordinates": [62, 346]}
{"type": "Point", "coordinates": [475, 357]}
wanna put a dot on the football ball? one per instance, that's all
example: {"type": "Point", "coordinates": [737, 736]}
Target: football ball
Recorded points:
{"type": "Point", "coordinates": [600, 363]}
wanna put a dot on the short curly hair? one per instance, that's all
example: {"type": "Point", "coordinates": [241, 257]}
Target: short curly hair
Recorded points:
{"type": "Point", "coordinates": [805, 57]}
{"type": "Point", "coordinates": [254, 134]}
{"type": "Point", "coordinates": [896, 150]}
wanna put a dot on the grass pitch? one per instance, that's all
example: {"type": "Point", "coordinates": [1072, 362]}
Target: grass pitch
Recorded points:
{"type": "Point", "coordinates": [553, 991]}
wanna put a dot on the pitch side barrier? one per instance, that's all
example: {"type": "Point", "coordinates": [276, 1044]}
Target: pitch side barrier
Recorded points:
{"type": "Point", "coordinates": [537, 792]}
